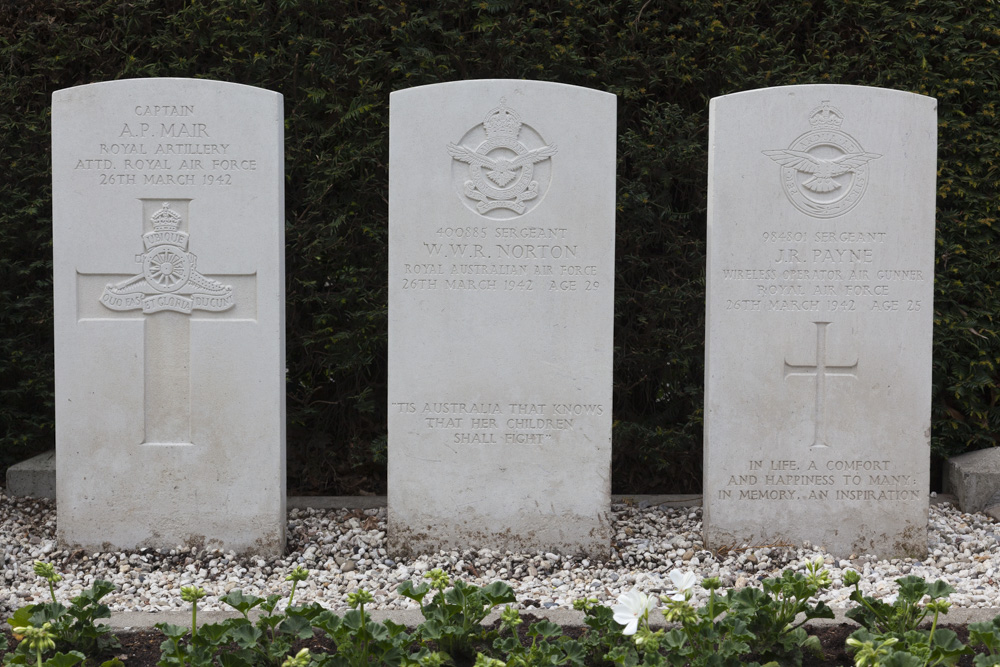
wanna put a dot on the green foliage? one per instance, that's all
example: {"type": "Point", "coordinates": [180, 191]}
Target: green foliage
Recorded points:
{"type": "Point", "coordinates": [743, 626]}
{"type": "Point", "coordinates": [548, 644]}
{"type": "Point", "coordinates": [270, 639]}
{"type": "Point", "coordinates": [336, 63]}
{"type": "Point", "coordinates": [51, 626]}
{"type": "Point", "coordinates": [199, 652]}
{"type": "Point", "coordinates": [905, 613]}
{"type": "Point", "coordinates": [453, 617]}
{"type": "Point", "coordinates": [706, 636]}
{"type": "Point", "coordinates": [603, 635]}
{"type": "Point", "coordinates": [987, 635]}
{"type": "Point", "coordinates": [733, 628]}
{"type": "Point", "coordinates": [361, 641]}
{"type": "Point", "coordinates": [239, 642]}
{"type": "Point", "coordinates": [890, 634]}
{"type": "Point", "coordinates": [776, 614]}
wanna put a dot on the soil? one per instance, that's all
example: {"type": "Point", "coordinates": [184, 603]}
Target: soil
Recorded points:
{"type": "Point", "coordinates": [142, 649]}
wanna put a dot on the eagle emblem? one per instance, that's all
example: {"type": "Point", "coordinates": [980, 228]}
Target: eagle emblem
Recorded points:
{"type": "Point", "coordinates": [501, 172]}
{"type": "Point", "coordinates": [824, 171]}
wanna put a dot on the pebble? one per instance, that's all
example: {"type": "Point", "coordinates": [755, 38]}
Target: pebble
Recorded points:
{"type": "Point", "coordinates": [345, 550]}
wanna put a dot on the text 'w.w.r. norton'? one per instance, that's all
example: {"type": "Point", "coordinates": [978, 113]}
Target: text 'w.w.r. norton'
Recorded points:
{"type": "Point", "coordinates": [501, 284]}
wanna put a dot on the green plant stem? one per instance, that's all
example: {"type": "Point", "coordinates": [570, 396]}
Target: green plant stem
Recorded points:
{"type": "Point", "coordinates": [291, 596]}
{"type": "Point", "coordinates": [52, 590]}
{"type": "Point", "coordinates": [694, 637]}
{"type": "Point", "coordinates": [884, 620]}
{"type": "Point", "coordinates": [364, 634]}
{"type": "Point", "coordinates": [194, 619]}
{"type": "Point", "coordinates": [787, 617]}
{"type": "Point", "coordinates": [930, 637]}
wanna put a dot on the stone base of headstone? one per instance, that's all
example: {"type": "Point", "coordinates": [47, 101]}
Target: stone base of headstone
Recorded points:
{"type": "Point", "coordinates": [35, 477]}
{"type": "Point", "coordinates": [974, 479]}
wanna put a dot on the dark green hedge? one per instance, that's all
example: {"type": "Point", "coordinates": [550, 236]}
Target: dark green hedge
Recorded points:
{"type": "Point", "coordinates": [336, 61]}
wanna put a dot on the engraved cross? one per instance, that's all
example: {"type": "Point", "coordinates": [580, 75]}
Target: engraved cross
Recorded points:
{"type": "Point", "coordinates": [821, 371]}
{"type": "Point", "coordinates": [169, 295]}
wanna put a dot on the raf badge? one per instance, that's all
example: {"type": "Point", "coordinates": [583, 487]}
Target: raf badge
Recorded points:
{"type": "Point", "coordinates": [502, 168]}
{"type": "Point", "coordinates": [825, 171]}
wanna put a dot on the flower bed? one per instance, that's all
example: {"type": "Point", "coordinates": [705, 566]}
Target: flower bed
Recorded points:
{"type": "Point", "coordinates": [750, 626]}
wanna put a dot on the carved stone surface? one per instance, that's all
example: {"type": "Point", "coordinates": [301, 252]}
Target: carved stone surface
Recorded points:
{"type": "Point", "coordinates": [501, 271]}
{"type": "Point", "coordinates": [820, 281]}
{"type": "Point", "coordinates": [974, 478]}
{"type": "Point", "coordinates": [168, 256]}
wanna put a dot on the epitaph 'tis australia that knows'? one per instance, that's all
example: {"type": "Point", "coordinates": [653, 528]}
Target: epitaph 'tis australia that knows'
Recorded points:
{"type": "Point", "coordinates": [819, 319]}
{"type": "Point", "coordinates": [501, 272]}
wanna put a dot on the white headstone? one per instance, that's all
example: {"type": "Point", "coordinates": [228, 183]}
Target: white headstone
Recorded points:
{"type": "Point", "coordinates": [819, 318]}
{"type": "Point", "coordinates": [168, 255]}
{"type": "Point", "coordinates": [501, 271]}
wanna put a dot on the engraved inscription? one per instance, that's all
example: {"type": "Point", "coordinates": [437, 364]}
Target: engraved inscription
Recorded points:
{"type": "Point", "coordinates": [501, 175]}
{"type": "Point", "coordinates": [163, 144]}
{"type": "Point", "coordinates": [498, 423]}
{"type": "Point", "coordinates": [483, 259]}
{"type": "Point", "coordinates": [824, 272]}
{"type": "Point", "coordinates": [824, 172]}
{"type": "Point", "coordinates": [820, 370]}
{"type": "Point", "coordinates": [815, 479]}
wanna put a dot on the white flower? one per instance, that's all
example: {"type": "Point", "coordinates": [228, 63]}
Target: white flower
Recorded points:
{"type": "Point", "coordinates": [632, 607]}
{"type": "Point", "coordinates": [684, 581]}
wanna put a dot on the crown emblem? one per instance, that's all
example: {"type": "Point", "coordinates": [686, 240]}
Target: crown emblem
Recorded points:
{"type": "Point", "coordinates": [502, 122]}
{"type": "Point", "coordinates": [826, 116]}
{"type": "Point", "coordinates": [169, 279]}
{"type": "Point", "coordinates": [166, 219]}
{"type": "Point", "coordinates": [502, 169]}
{"type": "Point", "coordinates": [824, 172]}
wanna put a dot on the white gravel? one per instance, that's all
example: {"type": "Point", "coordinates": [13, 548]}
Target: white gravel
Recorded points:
{"type": "Point", "coordinates": [345, 550]}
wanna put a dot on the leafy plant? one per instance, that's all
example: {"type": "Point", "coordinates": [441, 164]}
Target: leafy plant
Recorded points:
{"type": "Point", "coordinates": [270, 639]}
{"type": "Point", "coordinates": [38, 641]}
{"type": "Point", "coordinates": [602, 635]}
{"type": "Point", "coordinates": [728, 629]}
{"type": "Point", "coordinates": [198, 650]}
{"type": "Point", "coordinates": [453, 616]}
{"type": "Point", "coordinates": [266, 642]}
{"type": "Point", "coordinates": [71, 629]}
{"type": "Point", "coordinates": [890, 628]}
{"type": "Point", "coordinates": [987, 634]}
{"type": "Point", "coordinates": [548, 645]}
{"type": "Point", "coordinates": [707, 635]}
{"type": "Point", "coordinates": [361, 641]}
{"type": "Point", "coordinates": [771, 614]}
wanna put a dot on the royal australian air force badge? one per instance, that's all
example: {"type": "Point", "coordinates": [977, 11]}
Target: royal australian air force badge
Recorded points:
{"type": "Point", "coordinates": [825, 171]}
{"type": "Point", "coordinates": [508, 167]}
